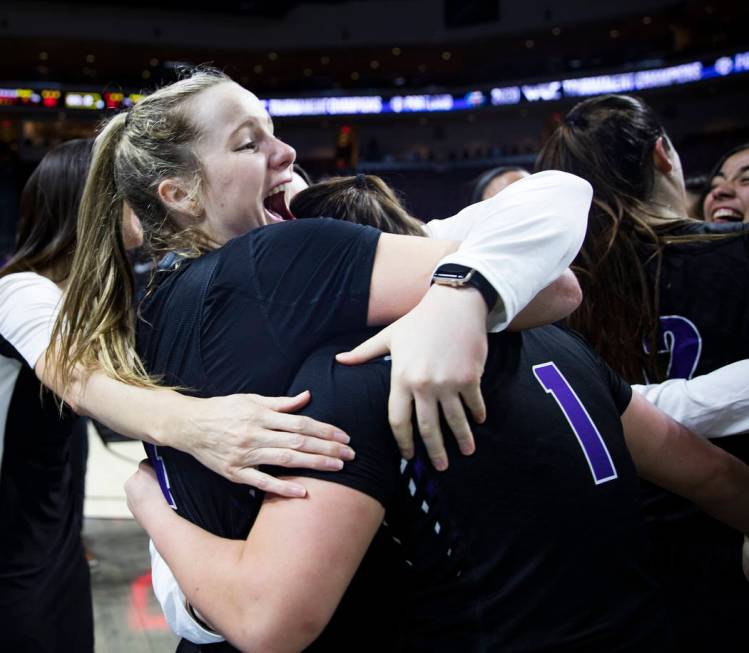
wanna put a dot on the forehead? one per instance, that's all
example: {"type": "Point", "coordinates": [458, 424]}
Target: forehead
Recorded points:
{"type": "Point", "coordinates": [735, 162]}
{"type": "Point", "coordinates": [219, 110]}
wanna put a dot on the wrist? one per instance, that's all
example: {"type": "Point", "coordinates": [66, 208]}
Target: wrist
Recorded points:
{"type": "Point", "coordinates": [455, 275]}
{"type": "Point", "coordinates": [466, 299]}
{"type": "Point", "coordinates": [153, 514]}
{"type": "Point", "coordinates": [174, 421]}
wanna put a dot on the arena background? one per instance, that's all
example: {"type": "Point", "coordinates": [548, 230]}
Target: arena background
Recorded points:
{"type": "Point", "coordinates": [426, 93]}
{"type": "Point", "coordinates": [438, 90]}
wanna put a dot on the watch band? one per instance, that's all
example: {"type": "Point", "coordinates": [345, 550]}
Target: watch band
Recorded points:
{"type": "Point", "coordinates": [458, 276]}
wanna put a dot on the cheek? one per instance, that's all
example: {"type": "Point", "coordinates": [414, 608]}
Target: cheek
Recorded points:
{"type": "Point", "coordinates": [743, 195]}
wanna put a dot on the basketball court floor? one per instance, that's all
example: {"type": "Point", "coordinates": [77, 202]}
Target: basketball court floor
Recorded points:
{"type": "Point", "coordinates": [127, 617]}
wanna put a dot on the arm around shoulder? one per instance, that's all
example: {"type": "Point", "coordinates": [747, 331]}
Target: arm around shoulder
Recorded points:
{"type": "Point", "coordinates": [669, 455]}
{"type": "Point", "coordinates": [521, 239]}
{"type": "Point", "coordinates": [276, 591]}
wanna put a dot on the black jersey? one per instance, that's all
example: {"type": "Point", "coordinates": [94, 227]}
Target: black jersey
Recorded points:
{"type": "Point", "coordinates": [45, 593]}
{"type": "Point", "coordinates": [704, 299]}
{"type": "Point", "coordinates": [704, 319]}
{"type": "Point", "coordinates": [242, 319]}
{"type": "Point", "coordinates": [535, 543]}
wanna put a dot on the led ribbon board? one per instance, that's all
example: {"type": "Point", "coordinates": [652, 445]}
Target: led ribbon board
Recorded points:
{"type": "Point", "coordinates": [545, 91]}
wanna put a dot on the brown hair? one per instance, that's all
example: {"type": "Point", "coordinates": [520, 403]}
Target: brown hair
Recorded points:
{"type": "Point", "coordinates": [135, 151]}
{"type": "Point", "coordinates": [609, 141]}
{"type": "Point", "coordinates": [362, 199]}
{"type": "Point", "coordinates": [707, 186]}
{"type": "Point", "coordinates": [46, 234]}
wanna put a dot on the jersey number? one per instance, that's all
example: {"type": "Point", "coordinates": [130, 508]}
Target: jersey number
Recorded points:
{"type": "Point", "coordinates": [679, 337]}
{"type": "Point", "coordinates": [586, 432]}
{"type": "Point", "coordinates": [160, 468]}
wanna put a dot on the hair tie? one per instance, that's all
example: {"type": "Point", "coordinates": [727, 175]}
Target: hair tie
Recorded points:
{"type": "Point", "coordinates": [575, 121]}
{"type": "Point", "coordinates": [361, 181]}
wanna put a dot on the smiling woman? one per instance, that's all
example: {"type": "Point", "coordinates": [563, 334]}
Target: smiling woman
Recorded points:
{"type": "Point", "coordinates": [239, 303]}
{"type": "Point", "coordinates": [727, 199]}
{"type": "Point", "coordinates": [243, 165]}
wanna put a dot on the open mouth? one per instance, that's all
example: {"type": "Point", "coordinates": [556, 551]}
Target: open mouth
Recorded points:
{"type": "Point", "coordinates": [725, 214]}
{"type": "Point", "coordinates": [276, 206]}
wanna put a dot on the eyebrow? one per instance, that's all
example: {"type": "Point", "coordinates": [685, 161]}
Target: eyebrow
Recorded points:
{"type": "Point", "coordinates": [252, 122]}
{"type": "Point", "coordinates": [722, 174]}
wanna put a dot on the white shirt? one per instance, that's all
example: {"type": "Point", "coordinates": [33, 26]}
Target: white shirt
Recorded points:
{"type": "Point", "coordinates": [28, 308]}
{"type": "Point", "coordinates": [521, 239]}
{"type": "Point", "coordinates": [29, 304]}
{"type": "Point", "coordinates": [713, 405]}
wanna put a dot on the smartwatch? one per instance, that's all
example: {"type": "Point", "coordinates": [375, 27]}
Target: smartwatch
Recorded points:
{"type": "Point", "coordinates": [459, 276]}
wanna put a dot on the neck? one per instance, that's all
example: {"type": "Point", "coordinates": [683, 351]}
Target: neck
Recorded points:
{"type": "Point", "coordinates": [57, 274]}
{"type": "Point", "coordinates": [668, 201]}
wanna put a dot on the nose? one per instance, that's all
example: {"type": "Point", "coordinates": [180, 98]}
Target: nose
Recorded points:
{"type": "Point", "coordinates": [282, 156]}
{"type": "Point", "coordinates": [723, 190]}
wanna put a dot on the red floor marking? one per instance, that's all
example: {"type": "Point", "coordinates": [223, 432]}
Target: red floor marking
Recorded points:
{"type": "Point", "coordinates": [139, 618]}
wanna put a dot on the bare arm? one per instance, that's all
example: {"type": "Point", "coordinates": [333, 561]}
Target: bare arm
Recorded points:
{"type": "Point", "coordinates": [230, 435]}
{"type": "Point", "coordinates": [669, 455]}
{"type": "Point", "coordinates": [227, 434]}
{"type": "Point", "coordinates": [555, 302]}
{"type": "Point", "coordinates": [261, 594]}
{"type": "Point", "coordinates": [520, 240]}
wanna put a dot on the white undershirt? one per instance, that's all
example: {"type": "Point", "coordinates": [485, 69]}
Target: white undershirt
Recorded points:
{"type": "Point", "coordinates": [28, 308]}
{"type": "Point", "coordinates": [29, 304]}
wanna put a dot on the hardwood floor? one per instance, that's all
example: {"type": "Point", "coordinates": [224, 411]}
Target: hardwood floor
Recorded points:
{"type": "Point", "coordinates": [127, 618]}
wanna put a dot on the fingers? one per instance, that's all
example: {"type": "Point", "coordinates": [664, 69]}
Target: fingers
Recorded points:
{"type": "Point", "coordinates": [377, 345]}
{"type": "Point", "coordinates": [270, 484]}
{"type": "Point", "coordinates": [399, 415]}
{"type": "Point", "coordinates": [301, 425]}
{"type": "Point", "coordinates": [427, 417]}
{"type": "Point", "coordinates": [455, 416]}
{"type": "Point", "coordinates": [299, 460]}
{"type": "Point", "coordinates": [300, 443]}
{"type": "Point", "coordinates": [284, 458]}
{"type": "Point", "coordinates": [285, 404]}
{"type": "Point", "coordinates": [475, 402]}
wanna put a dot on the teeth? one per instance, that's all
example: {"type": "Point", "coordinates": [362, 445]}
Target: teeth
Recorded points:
{"type": "Point", "coordinates": [281, 188]}
{"type": "Point", "coordinates": [726, 213]}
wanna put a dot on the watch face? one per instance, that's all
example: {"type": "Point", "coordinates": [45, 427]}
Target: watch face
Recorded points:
{"type": "Point", "coordinates": [453, 271]}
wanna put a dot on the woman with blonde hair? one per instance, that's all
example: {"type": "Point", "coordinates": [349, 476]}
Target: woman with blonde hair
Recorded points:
{"type": "Point", "coordinates": [45, 597]}
{"type": "Point", "coordinates": [235, 308]}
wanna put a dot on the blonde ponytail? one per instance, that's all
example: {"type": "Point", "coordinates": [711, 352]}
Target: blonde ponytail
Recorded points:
{"type": "Point", "coordinates": [96, 323]}
{"type": "Point", "coordinates": [134, 152]}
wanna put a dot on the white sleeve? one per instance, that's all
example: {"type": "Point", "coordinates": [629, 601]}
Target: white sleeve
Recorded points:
{"type": "Point", "coordinates": [172, 602]}
{"type": "Point", "coordinates": [712, 405]}
{"type": "Point", "coordinates": [29, 304]}
{"type": "Point", "coordinates": [521, 239]}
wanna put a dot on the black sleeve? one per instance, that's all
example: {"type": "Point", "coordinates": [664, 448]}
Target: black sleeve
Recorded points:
{"type": "Point", "coordinates": [354, 398]}
{"type": "Point", "coordinates": [621, 391]}
{"type": "Point", "coordinates": [9, 351]}
{"type": "Point", "coordinates": [312, 278]}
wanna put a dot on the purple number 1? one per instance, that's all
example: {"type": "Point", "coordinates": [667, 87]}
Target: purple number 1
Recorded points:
{"type": "Point", "coordinates": [158, 466]}
{"type": "Point", "coordinates": [586, 432]}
